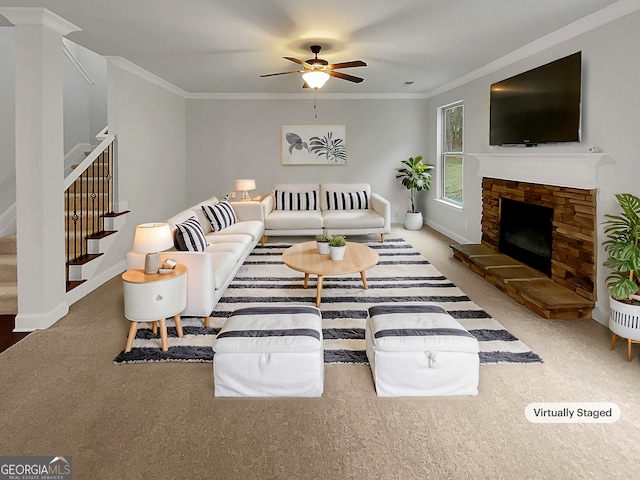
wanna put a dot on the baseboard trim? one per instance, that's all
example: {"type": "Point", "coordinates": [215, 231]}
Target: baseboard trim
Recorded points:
{"type": "Point", "coordinates": [90, 285]}
{"type": "Point", "coordinates": [28, 322]}
{"type": "Point", "coordinates": [445, 231]}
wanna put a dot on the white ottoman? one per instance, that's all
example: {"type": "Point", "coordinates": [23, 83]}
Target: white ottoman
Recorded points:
{"type": "Point", "coordinates": [270, 351]}
{"type": "Point", "coordinates": [420, 350]}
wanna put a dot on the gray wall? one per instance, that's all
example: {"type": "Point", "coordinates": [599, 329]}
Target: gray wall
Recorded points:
{"type": "Point", "coordinates": [149, 123]}
{"type": "Point", "coordinates": [229, 139]}
{"type": "Point", "coordinates": [85, 105]}
{"type": "Point", "coordinates": [7, 118]}
{"type": "Point", "coordinates": [611, 116]}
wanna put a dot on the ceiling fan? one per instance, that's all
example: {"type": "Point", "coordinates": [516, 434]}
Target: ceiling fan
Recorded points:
{"type": "Point", "coordinates": [317, 71]}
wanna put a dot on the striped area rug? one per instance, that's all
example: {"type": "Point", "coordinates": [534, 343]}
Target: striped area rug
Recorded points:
{"type": "Point", "coordinates": [402, 275]}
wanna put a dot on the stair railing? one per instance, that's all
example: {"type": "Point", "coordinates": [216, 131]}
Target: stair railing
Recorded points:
{"type": "Point", "coordinates": [88, 197]}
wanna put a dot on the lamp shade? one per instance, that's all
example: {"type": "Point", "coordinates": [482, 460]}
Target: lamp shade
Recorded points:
{"type": "Point", "coordinates": [245, 184]}
{"type": "Point", "coordinates": [152, 238]}
{"type": "Point", "coordinates": [315, 79]}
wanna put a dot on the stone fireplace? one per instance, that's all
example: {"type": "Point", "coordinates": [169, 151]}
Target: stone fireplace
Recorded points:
{"type": "Point", "coordinates": [544, 253]}
{"type": "Point", "coordinates": [573, 225]}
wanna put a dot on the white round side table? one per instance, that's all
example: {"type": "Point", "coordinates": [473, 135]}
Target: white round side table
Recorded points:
{"type": "Point", "coordinates": [153, 298]}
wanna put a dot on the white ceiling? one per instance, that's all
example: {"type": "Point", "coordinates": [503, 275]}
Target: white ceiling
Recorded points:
{"type": "Point", "coordinates": [222, 46]}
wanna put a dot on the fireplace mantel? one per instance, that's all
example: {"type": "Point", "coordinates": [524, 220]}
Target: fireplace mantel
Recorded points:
{"type": "Point", "coordinates": [578, 170]}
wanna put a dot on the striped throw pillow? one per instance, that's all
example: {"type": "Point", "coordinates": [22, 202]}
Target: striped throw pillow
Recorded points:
{"type": "Point", "coordinates": [296, 200]}
{"type": "Point", "coordinates": [190, 237]}
{"type": "Point", "coordinates": [348, 200]}
{"type": "Point", "coordinates": [221, 215]}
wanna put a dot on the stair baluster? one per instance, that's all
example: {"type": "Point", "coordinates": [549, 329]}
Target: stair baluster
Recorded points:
{"type": "Point", "coordinates": [89, 199]}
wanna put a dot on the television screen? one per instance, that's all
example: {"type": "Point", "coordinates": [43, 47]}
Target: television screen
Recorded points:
{"type": "Point", "coordinates": [538, 106]}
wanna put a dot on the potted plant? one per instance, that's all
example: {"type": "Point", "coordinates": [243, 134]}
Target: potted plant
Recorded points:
{"type": "Point", "coordinates": [415, 176]}
{"type": "Point", "coordinates": [337, 247]}
{"type": "Point", "coordinates": [623, 258]}
{"type": "Point", "coordinates": [322, 242]}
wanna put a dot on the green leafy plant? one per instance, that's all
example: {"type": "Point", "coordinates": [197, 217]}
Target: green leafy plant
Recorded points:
{"type": "Point", "coordinates": [623, 250]}
{"type": "Point", "coordinates": [337, 241]}
{"type": "Point", "coordinates": [415, 176]}
{"type": "Point", "coordinates": [323, 237]}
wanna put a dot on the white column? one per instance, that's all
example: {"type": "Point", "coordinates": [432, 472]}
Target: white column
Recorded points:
{"type": "Point", "coordinates": [39, 166]}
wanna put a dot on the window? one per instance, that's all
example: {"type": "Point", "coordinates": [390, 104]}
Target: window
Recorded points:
{"type": "Point", "coordinates": [451, 156]}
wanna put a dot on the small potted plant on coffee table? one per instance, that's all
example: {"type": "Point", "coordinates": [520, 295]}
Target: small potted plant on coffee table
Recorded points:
{"type": "Point", "coordinates": [337, 246]}
{"type": "Point", "coordinates": [623, 250]}
{"type": "Point", "coordinates": [322, 242]}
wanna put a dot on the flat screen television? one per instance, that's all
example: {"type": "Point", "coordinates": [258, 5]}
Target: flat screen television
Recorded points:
{"type": "Point", "coordinates": [538, 106]}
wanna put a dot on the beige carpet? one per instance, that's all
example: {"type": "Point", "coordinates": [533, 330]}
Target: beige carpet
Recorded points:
{"type": "Point", "coordinates": [61, 395]}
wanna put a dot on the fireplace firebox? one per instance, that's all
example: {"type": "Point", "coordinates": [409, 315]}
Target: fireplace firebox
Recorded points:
{"type": "Point", "coordinates": [526, 233]}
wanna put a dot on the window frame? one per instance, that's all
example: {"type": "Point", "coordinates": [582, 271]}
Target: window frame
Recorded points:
{"type": "Point", "coordinates": [442, 153]}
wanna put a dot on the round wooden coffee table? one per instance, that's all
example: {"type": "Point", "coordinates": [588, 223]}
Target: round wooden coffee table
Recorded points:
{"type": "Point", "coordinates": [305, 258]}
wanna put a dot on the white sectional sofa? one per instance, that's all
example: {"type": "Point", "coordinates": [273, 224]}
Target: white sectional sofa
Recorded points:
{"type": "Point", "coordinates": [334, 208]}
{"type": "Point", "coordinates": [209, 272]}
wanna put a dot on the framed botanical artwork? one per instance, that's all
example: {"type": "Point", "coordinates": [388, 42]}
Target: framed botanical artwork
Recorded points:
{"type": "Point", "coordinates": [313, 145]}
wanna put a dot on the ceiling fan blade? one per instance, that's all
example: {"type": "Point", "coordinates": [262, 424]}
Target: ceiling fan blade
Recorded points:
{"type": "Point", "coordinates": [355, 63]}
{"type": "Point", "coordinates": [344, 76]}
{"type": "Point", "coordinates": [299, 62]}
{"type": "Point", "coordinates": [281, 73]}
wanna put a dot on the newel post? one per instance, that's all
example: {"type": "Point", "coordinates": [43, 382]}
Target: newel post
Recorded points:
{"type": "Point", "coordinates": [39, 165]}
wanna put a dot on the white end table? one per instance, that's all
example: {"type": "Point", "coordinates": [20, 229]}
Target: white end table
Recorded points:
{"type": "Point", "coordinates": [153, 298]}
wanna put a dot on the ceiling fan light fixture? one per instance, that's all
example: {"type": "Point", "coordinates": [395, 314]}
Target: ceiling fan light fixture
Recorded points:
{"type": "Point", "coordinates": [315, 79]}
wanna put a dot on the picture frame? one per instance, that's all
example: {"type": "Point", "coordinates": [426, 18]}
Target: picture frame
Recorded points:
{"type": "Point", "coordinates": [313, 145]}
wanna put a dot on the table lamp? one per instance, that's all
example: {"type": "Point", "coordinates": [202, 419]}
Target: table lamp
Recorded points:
{"type": "Point", "coordinates": [152, 238]}
{"type": "Point", "coordinates": [245, 184]}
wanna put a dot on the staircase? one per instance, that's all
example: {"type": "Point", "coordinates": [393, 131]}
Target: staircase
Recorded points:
{"type": "Point", "coordinates": [80, 268]}
{"type": "Point", "coordinates": [91, 225]}
{"type": "Point", "coordinates": [8, 276]}
{"type": "Point", "coordinates": [90, 222]}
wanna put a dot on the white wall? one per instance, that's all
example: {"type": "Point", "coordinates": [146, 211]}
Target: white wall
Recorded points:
{"type": "Point", "coordinates": [85, 105]}
{"type": "Point", "coordinates": [229, 139]}
{"type": "Point", "coordinates": [76, 105]}
{"type": "Point", "coordinates": [7, 118]}
{"type": "Point", "coordinates": [149, 123]}
{"type": "Point", "coordinates": [96, 67]}
{"type": "Point", "coordinates": [611, 117]}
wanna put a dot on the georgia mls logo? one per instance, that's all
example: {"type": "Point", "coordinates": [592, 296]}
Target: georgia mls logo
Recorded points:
{"type": "Point", "coordinates": [35, 468]}
{"type": "Point", "coordinates": [63, 466]}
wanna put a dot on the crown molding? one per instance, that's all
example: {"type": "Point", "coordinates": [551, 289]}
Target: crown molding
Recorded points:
{"type": "Point", "coordinates": [307, 96]}
{"type": "Point", "coordinates": [585, 24]}
{"type": "Point", "coordinates": [124, 64]}
{"type": "Point", "coordinates": [38, 16]}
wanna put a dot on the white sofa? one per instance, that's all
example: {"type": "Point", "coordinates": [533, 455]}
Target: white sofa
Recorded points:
{"type": "Point", "coordinates": [210, 272]}
{"type": "Point", "coordinates": [294, 209]}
